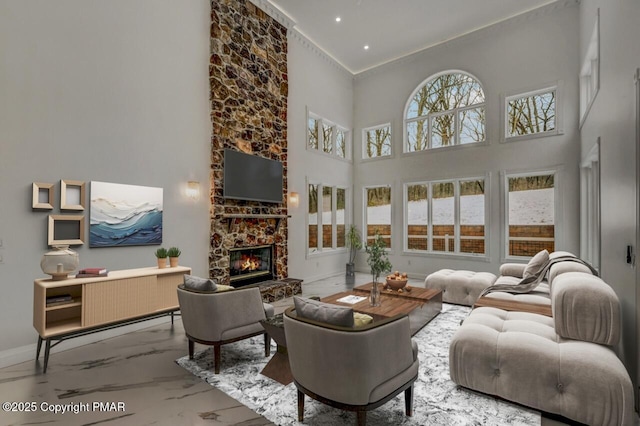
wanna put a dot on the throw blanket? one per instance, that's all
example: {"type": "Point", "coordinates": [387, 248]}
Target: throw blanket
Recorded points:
{"type": "Point", "coordinates": [531, 282]}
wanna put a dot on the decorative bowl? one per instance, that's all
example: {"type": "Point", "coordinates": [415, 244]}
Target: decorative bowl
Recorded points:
{"type": "Point", "coordinates": [396, 284]}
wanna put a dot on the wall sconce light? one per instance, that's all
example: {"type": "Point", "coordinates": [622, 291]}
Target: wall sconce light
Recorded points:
{"type": "Point", "coordinates": [294, 199]}
{"type": "Point", "coordinates": [193, 190]}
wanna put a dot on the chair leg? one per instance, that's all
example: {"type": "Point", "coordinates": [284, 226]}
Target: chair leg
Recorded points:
{"type": "Point", "coordinates": [408, 401]}
{"type": "Point", "coordinates": [267, 344]}
{"type": "Point", "coordinates": [191, 347]}
{"type": "Point", "coordinates": [216, 359]}
{"type": "Point", "coordinates": [300, 406]}
{"type": "Point", "coordinates": [362, 418]}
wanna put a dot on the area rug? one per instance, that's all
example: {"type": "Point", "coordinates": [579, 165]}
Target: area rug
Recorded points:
{"type": "Point", "coordinates": [437, 400]}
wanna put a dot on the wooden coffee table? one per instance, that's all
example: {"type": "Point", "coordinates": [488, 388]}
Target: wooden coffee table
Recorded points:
{"type": "Point", "coordinates": [420, 304]}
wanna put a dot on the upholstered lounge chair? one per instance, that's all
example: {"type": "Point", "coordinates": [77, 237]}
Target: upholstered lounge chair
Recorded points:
{"type": "Point", "coordinates": [223, 317]}
{"type": "Point", "coordinates": [351, 368]}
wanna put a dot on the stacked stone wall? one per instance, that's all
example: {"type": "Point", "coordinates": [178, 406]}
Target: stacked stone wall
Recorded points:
{"type": "Point", "coordinates": [249, 88]}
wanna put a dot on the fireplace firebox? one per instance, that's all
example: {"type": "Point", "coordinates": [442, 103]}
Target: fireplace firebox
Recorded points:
{"type": "Point", "coordinates": [248, 265]}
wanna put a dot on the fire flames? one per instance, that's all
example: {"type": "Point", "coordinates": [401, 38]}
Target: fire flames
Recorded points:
{"type": "Point", "coordinates": [249, 263]}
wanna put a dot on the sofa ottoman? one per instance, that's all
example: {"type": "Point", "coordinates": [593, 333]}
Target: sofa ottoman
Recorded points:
{"type": "Point", "coordinates": [459, 286]}
{"type": "Point", "coordinates": [563, 365]}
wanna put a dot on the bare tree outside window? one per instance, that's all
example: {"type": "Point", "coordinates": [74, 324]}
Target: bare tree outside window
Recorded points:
{"type": "Point", "coordinates": [341, 143]}
{"type": "Point", "coordinates": [532, 114]}
{"type": "Point", "coordinates": [312, 130]}
{"type": "Point", "coordinates": [378, 142]}
{"type": "Point", "coordinates": [447, 110]}
{"type": "Point", "coordinates": [313, 218]}
{"type": "Point", "coordinates": [327, 138]}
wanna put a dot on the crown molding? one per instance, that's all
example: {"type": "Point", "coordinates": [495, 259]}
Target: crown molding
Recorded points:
{"type": "Point", "coordinates": [293, 32]}
{"type": "Point", "coordinates": [273, 11]}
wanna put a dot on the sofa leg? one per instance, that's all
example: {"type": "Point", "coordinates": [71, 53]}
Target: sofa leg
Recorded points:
{"type": "Point", "coordinates": [216, 359]}
{"type": "Point", "coordinates": [300, 406]}
{"type": "Point", "coordinates": [362, 418]}
{"type": "Point", "coordinates": [191, 347]}
{"type": "Point", "coordinates": [408, 401]}
{"type": "Point", "coordinates": [267, 344]}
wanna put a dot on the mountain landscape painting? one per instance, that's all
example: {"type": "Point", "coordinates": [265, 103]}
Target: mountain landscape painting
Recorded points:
{"type": "Point", "coordinates": [125, 215]}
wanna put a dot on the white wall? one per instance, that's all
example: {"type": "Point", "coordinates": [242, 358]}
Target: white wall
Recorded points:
{"type": "Point", "coordinates": [112, 91]}
{"type": "Point", "coordinates": [525, 53]}
{"type": "Point", "coordinates": [319, 85]}
{"type": "Point", "coordinates": [612, 118]}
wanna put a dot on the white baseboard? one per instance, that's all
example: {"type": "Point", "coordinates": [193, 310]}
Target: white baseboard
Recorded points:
{"type": "Point", "coordinates": [26, 353]}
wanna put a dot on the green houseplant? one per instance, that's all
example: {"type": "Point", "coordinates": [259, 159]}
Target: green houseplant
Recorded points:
{"type": "Point", "coordinates": [353, 243]}
{"type": "Point", "coordinates": [162, 255]}
{"type": "Point", "coordinates": [173, 253]}
{"type": "Point", "coordinates": [379, 263]}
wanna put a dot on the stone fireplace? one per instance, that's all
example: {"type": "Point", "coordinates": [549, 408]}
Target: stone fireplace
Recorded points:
{"type": "Point", "coordinates": [249, 89]}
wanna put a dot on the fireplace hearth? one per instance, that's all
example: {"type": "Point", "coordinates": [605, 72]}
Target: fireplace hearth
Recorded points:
{"type": "Point", "coordinates": [248, 265]}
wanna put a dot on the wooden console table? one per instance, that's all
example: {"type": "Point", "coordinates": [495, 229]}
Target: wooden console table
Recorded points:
{"type": "Point", "coordinates": [100, 303]}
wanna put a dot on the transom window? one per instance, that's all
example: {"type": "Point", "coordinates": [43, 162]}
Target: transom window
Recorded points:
{"type": "Point", "coordinates": [327, 137]}
{"type": "Point", "coordinates": [532, 113]}
{"type": "Point", "coordinates": [448, 109]}
{"type": "Point", "coordinates": [376, 141]}
{"type": "Point", "coordinates": [445, 216]}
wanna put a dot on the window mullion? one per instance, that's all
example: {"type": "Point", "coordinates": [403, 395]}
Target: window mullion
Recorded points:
{"type": "Point", "coordinates": [456, 216]}
{"type": "Point", "coordinates": [430, 217]}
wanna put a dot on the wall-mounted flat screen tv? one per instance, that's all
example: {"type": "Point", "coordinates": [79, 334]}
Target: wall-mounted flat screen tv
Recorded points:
{"type": "Point", "coordinates": [250, 177]}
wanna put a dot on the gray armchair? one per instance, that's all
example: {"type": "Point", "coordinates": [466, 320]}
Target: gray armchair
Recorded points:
{"type": "Point", "coordinates": [355, 369]}
{"type": "Point", "coordinates": [223, 317]}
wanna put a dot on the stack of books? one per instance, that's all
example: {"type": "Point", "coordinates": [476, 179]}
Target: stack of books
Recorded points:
{"type": "Point", "coordinates": [61, 299]}
{"type": "Point", "coordinates": [92, 272]}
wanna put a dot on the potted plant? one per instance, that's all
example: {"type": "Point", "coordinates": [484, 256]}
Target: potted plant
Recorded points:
{"type": "Point", "coordinates": [353, 243]}
{"type": "Point", "coordinates": [162, 254]}
{"type": "Point", "coordinates": [174, 253]}
{"type": "Point", "coordinates": [379, 263]}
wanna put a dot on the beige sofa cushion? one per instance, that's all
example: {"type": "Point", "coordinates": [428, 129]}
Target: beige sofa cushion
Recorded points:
{"type": "Point", "coordinates": [585, 308]}
{"type": "Point", "coordinates": [535, 265]}
{"type": "Point", "coordinates": [519, 357]}
{"type": "Point", "coordinates": [459, 286]}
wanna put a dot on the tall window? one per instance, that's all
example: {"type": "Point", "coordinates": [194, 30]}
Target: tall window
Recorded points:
{"type": "Point", "coordinates": [377, 141]}
{"type": "Point", "coordinates": [446, 110]}
{"type": "Point", "coordinates": [327, 213]}
{"type": "Point", "coordinates": [327, 137]}
{"type": "Point", "coordinates": [326, 217]}
{"type": "Point", "coordinates": [445, 217]}
{"type": "Point", "coordinates": [312, 196]}
{"type": "Point", "coordinates": [378, 213]}
{"type": "Point", "coordinates": [530, 213]}
{"type": "Point", "coordinates": [531, 113]}
{"type": "Point", "coordinates": [341, 204]}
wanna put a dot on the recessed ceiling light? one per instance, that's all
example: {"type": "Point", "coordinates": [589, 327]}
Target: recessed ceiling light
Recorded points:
{"type": "Point", "coordinates": [366, 47]}
{"type": "Point", "coordinates": [338, 19]}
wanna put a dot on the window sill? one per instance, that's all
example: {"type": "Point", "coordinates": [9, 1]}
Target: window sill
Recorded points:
{"type": "Point", "coordinates": [443, 255]}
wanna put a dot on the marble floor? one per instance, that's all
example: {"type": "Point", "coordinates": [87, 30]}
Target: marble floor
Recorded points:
{"type": "Point", "coordinates": [136, 379]}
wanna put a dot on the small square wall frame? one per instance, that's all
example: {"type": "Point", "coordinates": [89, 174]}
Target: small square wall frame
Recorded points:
{"type": "Point", "coordinates": [66, 230]}
{"type": "Point", "coordinates": [42, 198]}
{"type": "Point", "coordinates": [72, 195]}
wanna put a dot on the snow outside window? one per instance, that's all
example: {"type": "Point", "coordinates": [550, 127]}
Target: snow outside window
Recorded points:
{"type": "Point", "coordinates": [445, 217]}
{"type": "Point", "coordinates": [378, 213]}
{"type": "Point", "coordinates": [530, 213]}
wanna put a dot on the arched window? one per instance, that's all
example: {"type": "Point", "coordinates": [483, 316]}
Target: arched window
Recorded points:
{"type": "Point", "coordinates": [447, 109]}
